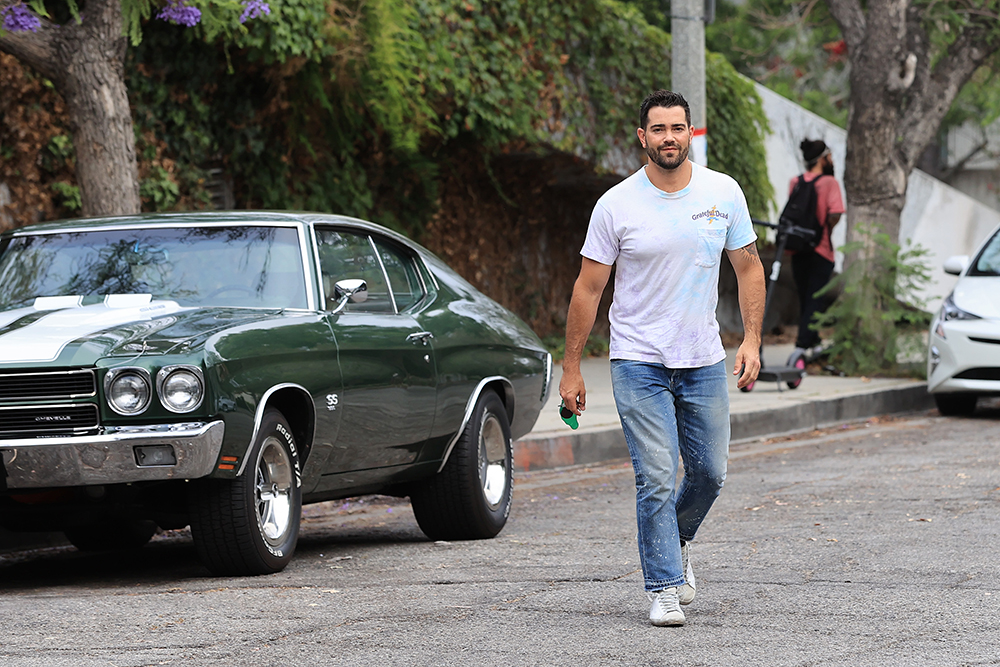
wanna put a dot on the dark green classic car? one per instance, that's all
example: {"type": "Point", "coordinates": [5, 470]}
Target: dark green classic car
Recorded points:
{"type": "Point", "coordinates": [220, 369]}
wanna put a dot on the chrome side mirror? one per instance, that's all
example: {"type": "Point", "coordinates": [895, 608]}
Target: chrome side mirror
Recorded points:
{"type": "Point", "coordinates": [956, 264]}
{"type": "Point", "coordinates": [351, 290]}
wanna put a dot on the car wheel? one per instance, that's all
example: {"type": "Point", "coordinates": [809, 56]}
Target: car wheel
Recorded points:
{"type": "Point", "coordinates": [955, 405]}
{"type": "Point", "coordinates": [250, 525]}
{"type": "Point", "coordinates": [120, 536]}
{"type": "Point", "coordinates": [470, 498]}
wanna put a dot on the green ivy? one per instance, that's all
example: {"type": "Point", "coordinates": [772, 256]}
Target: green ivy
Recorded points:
{"type": "Point", "coordinates": [343, 106]}
{"type": "Point", "coordinates": [68, 196]}
{"type": "Point", "coordinates": [736, 129]}
{"type": "Point", "coordinates": [159, 189]}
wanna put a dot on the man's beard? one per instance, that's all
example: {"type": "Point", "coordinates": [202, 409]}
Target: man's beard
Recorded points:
{"type": "Point", "coordinates": [667, 163]}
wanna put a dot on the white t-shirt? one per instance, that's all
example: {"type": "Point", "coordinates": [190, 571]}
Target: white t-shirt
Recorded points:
{"type": "Point", "coordinates": [667, 248]}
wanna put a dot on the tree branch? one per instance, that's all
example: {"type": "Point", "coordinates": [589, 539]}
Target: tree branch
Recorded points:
{"type": "Point", "coordinates": [938, 88]}
{"type": "Point", "coordinates": [35, 49]}
{"type": "Point", "coordinates": [948, 173]}
{"type": "Point", "coordinates": [851, 19]}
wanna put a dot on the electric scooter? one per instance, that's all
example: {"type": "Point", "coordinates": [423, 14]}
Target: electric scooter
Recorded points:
{"type": "Point", "coordinates": [795, 368]}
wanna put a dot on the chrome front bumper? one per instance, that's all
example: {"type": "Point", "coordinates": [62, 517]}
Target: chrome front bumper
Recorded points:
{"type": "Point", "coordinates": [110, 458]}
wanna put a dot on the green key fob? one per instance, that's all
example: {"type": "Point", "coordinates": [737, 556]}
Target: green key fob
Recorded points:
{"type": "Point", "coordinates": [567, 415]}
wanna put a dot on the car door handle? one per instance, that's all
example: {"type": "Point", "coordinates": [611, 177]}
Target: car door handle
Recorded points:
{"type": "Point", "coordinates": [420, 337]}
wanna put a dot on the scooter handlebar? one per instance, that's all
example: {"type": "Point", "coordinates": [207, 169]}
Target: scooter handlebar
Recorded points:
{"type": "Point", "coordinates": [789, 230]}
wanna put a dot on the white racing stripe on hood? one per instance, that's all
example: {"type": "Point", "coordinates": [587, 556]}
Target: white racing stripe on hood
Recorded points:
{"type": "Point", "coordinates": [45, 339]}
{"type": "Point", "coordinates": [10, 316]}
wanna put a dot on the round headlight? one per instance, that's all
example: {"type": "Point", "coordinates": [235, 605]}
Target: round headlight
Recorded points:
{"type": "Point", "coordinates": [128, 391]}
{"type": "Point", "coordinates": [181, 388]}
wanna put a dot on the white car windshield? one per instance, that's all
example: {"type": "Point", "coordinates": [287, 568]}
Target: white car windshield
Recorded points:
{"type": "Point", "coordinates": [239, 266]}
{"type": "Point", "coordinates": [987, 262]}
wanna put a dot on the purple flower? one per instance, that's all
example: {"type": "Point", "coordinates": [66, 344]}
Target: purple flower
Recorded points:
{"type": "Point", "coordinates": [253, 9]}
{"type": "Point", "coordinates": [17, 18]}
{"type": "Point", "coordinates": [176, 11]}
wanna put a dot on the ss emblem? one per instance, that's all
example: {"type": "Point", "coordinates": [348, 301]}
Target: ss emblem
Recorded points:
{"type": "Point", "coordinates": [331, 401]}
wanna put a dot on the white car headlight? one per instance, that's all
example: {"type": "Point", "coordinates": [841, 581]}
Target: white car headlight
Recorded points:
{"type": "Point", "coordinates": [128, 390]}
{"type": "Point", "coordinates": [181, 388]}
{"type": "Point", "coordinates": [949, 311]}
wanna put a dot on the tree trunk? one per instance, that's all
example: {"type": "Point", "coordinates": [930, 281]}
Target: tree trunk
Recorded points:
{"type": "Point", "coordinates": [901, 90]}
{"type": "Point", "coordinates": [875, 175]}
{"type": "Point", "coordinates": [85, 62]}
{"type": "Point", "coordinates": [93, 57]}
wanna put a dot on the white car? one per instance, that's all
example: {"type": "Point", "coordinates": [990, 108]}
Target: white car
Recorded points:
{"type": "Point", "coordinates": [963, 359]}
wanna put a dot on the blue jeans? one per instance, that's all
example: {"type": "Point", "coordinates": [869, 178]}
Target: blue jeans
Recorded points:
{"type": "Point", "coordinates": [667, 412]}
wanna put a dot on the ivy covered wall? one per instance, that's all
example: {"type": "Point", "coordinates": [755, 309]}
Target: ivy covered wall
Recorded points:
{"type": "Point", "coordinates": [346, 110]}
{"type": "Point", "coordinates": [410, 113]}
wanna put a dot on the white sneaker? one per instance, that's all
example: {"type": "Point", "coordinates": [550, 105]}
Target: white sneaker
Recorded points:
{"type": "Point", "coordinates": [666, 609]}
{"type": "Point", "coordinates": [686, 592]}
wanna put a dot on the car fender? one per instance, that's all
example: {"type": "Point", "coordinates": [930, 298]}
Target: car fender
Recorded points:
{"type": "Point", "coordinates": [263, 404]}
{"type": "Point", "coordinates": [507, 397]}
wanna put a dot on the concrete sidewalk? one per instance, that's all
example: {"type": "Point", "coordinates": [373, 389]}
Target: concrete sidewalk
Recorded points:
{"type": "Point", "coordinates": [819, 401]}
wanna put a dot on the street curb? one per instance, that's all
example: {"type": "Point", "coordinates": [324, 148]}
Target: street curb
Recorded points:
{"type": "Point", "coordinates": [588, 446]}
{"type": "Point", "coordinates": [829, 412]}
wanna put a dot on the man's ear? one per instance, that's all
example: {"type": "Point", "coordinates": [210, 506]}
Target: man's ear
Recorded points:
{"type": "Point", "coordinates": [639, 132]}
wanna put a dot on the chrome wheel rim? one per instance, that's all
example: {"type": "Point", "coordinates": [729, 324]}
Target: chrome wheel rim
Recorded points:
{"type": "Point", "coordinates": [273, 491]}
{"type": "Point", "coordinates": [493, 460]}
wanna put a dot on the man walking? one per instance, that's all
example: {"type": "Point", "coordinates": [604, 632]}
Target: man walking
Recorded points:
{"type": "Point", "coordinates": [812, 267]}
{"type": "Point", "coordinates": [665, 228]}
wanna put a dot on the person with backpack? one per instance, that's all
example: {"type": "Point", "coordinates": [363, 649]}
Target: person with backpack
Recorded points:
{"type": "Point", "coordinates": [814, 207]}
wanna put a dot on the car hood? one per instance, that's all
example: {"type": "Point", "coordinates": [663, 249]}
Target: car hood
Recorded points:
{"type": "Point", "coordinates": [80, 335]}
{"type": "Point", "coordinates": [978, 295]}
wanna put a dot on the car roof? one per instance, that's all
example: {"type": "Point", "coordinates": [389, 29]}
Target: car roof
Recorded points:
{"type": "Point", "coordinates": [290, 218]}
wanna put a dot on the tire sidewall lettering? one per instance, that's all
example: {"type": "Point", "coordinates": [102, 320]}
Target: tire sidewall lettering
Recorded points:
{"type": "Point", "coordinates": [293, 450]}
{"type": "Point", "coordinates": [281, 431]}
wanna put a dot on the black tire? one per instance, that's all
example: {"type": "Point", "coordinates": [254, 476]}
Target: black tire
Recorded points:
{"type": "Point", "coordinates": [121, 536]}
{"type": "Point", "coordinates": [250, 525]}
{"type": "Point", "coordinates": [956, 405]}
{"type": "Point", "coordinates": [470, 498]}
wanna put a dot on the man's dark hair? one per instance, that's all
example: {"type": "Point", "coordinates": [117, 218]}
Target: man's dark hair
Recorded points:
{"type": "Point", "coordinates": [812, 151]}
{"type": "Point", "coordinates": [666, 99]}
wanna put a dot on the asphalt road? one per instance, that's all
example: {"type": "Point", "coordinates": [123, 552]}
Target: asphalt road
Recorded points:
{"type": "Point", "coordinates": [869, 545]}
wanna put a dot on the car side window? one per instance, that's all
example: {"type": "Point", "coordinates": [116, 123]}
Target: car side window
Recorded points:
{"type": "Point", "coordinates": [403, 279]}
{"type": "Point", "coordinates": [344, 255]}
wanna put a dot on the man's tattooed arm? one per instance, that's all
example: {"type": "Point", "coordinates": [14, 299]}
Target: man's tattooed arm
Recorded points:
{"type": "Point", "coordinates": [748, 253]}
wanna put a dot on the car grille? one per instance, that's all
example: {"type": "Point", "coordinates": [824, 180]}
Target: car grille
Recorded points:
{"type": "Point", "coordinates": [28, 386]}
{"type": "Point", "coordinates": [979, 374]}
{"type": "Point", "coordinates": [47, 419]}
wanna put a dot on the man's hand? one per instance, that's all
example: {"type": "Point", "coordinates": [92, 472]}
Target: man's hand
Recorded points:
{"type": "Point", "coordinates": [573, 391]}
{"type": "Point", "coordinates": [747, 359]}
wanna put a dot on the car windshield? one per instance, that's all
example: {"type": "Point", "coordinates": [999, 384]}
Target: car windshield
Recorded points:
{"type": "Point", "coordinates": [195, 266]}
{"type": "Point", "coordinates": [987, 262]}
